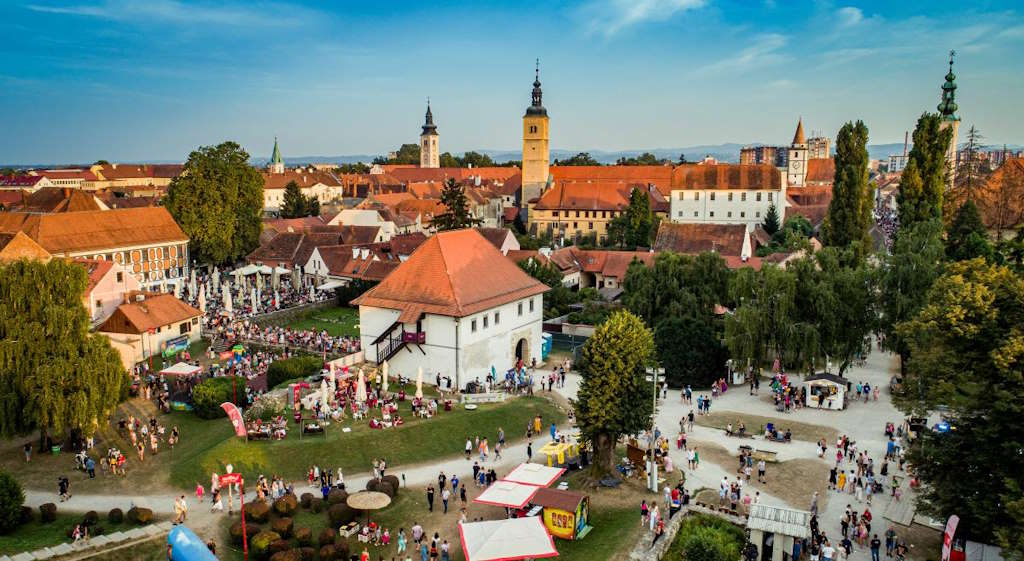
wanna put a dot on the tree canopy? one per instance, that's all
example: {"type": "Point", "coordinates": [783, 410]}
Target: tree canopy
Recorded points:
{"type": "Point", "coordinates": [645, 159]}
{"type": "Point", "coordinates": [581, 159]}
{"type": "Point", "coordinates": [849, 213]}
{"type": "Point", "coordinates": [614, 399]}
{"type": "Point", "coordinates": [297, 205]}
{"type": "Point", "coordinates": [54, 374]}
{"type": "Point", "coordinates": [218, 201]}
{"type": "Point", "coordinates": [637, 225]}
{"type": "Point", "coordinates": [407, 154]}
{"type": "Point", "coordinates": [544, 272]}
{"type": "Point", "coordinates": [457, 216]}
{"type": "Point", "coordinates": [966, 236]}
{"type": "Point", "coordinates": [924, 178]}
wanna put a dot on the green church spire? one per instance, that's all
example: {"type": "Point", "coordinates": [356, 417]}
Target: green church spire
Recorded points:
{"type": "Point", "coordinates": [947, 108]}
{"type": "Point", "coordinates": [275, 158]}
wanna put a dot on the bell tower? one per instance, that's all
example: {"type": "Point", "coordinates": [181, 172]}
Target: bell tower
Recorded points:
{"type": "Point", "coordinates": [947, 109]}
{"type": "Point", "coordinates": [429, 155]}
{"type": "Point", "coordinates": [796, 170]}
{"type": "Point", "coordinates": [536, 152]}
{"type": "Point", "coordinates": [276, 162]}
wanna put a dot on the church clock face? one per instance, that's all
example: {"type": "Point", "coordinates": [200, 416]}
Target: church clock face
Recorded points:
{"type": "Point", "coordinates": [796, 165]}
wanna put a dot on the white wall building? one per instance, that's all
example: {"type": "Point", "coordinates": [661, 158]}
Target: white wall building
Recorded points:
{"type": "Point", "coordinates": [366, 217]}
{"type": "Point", "coordinates": [727, 194]}
{"type": "Point", "coordinates": [456, 308]}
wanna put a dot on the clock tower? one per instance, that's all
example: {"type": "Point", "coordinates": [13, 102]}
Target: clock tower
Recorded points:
{"type": "Point", "coordinates": [429, 155]}
{"type": "Point", "coordinates": [536, 153]}
{"type": "Point", "coordinates": [796, 175]}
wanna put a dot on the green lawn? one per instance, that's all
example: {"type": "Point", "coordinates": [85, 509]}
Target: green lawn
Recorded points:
{"type": "Point", "coordinates": [615, 530]}
{"type": "Point", "coordinates": [36, 535]}
{"type": "Point", "coordinates": [196, 350]}
{"type": "Point", "coordinates": [338, 321]}
{"type": "Point", "coordinates": [206, 446]}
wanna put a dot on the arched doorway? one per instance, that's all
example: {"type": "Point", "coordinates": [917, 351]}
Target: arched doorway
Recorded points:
{"type": "Point", "coordinates": [523, 350]}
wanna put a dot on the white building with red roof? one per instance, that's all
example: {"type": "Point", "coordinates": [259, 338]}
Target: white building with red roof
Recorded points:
{"type": "Point", "coordinates": [456, 308]}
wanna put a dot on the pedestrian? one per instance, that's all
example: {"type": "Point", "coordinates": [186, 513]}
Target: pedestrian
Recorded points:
{"type": "Point", "coordinates": [28, 451]}
{"type": "Point", "coordinates": [876, 544]}
{"type": "Point", "coordinates": [659, 530]}
{"type": "Point", "coordinates": [430, 498]}
{"type": "Point", "coordinates": [445, 495]}
{"type": "Point", "coordinates": [760, 471]}
{"type": "Point", "coordinates": [644, 513]}
{"type": "Point", "coordinates": [814, 504]}
{"type": "Point", "coordinates": [529, 451]}
{"type": "Point", "coordinates": [90, 466]}
{"type": "Point", "coordinates": [401, 540]}
{"type": "Point", "coordinates": [462, 495]}
{"type": "Point", "coordinates": [469, 448]}
{"type": "Point", "coordinates": [553, 431]}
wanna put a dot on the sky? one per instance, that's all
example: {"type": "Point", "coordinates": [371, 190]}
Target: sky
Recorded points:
{"type": "Point", "coordinates": [138, 80]}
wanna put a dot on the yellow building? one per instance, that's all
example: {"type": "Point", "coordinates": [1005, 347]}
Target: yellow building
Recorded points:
{"type": "Point", "coordinates": [574, 209]}
{"type": "Point", "coordinates": [536, 152]}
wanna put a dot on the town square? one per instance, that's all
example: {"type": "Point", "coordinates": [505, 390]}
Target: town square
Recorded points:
{"type": "Point", "coordinates": [797, 337]}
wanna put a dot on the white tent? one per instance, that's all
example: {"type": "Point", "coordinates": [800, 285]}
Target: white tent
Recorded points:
{"type": "Point", "coordinates": [263, 270]}
{"type": "Point", "coordinates": [534, 474]}
{"type": "Point", "coordinates": [506, 540]}
{"type": "Point", "coordinates": [181, 369]}
{"type": "Point", "coordinates": [331, 285]}
{"type": "Point", "coordinates": [246, 271]}
{"type": "Point", "coordinates": [507, 493]}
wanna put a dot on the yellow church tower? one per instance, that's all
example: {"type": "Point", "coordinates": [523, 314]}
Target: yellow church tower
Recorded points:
{"type": "Point", "coordinates": [536, 152]}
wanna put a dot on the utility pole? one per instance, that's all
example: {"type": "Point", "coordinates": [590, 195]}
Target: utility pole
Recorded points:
{"type": "Point", "coordinates": [652, 465]}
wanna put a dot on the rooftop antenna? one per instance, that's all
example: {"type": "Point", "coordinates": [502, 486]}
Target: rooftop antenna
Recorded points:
{"type": "Point", "coordinates": [906, 139]}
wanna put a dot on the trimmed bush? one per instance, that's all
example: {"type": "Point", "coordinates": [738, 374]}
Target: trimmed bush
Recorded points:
{"type": "Point", "coordinates": [91, 518]}
{"type": "Point", "coordinates": [257, 511]}
{"type": "Point", "coordinates": [341, 514]}
{"type": "Point", "coordinates": [236, 531]}
{"type": "Point", "coordinates": [393, 480]}
{"type": "Point", "coordinates": [303, 536]}
{"type": "Point", "coordinates": [307, 553]}
{"type": "Point", "coordinates": [47, 512]}
{"type": "Point", "coordinates": [295, 368]}
{"type": "Point", "coordinates": [12, 497]}
{"type": "Point", "coordinates": [336, 496]}
{"type": "Point", "coordinates": [27, 514]}
{"type": "Point", "coordinates": [115, 516]}
{"type": "Point", "coordinates": [260, 543]}
{"type": "Point", "coordinates": [305, 499]}
{"type": "Point", "coordinates": [282, 526]}
{"type": "Point", "coordinates": [328, 553]}
{"type": "Point", "coordinates": [286, 555]}
{"type": "Point", "coordinates": [208, 395]}
{"type": "Point", "coordinates": [139, 515]}
{"type": "Point", "coordinates": [327, 536]}
{"type": "Point", "coordinates": [381, 487]}
{"type": "Point", "coordinates": [341, 548]}
{"type": "Point", "coordinates": [317, 505]}
{"type": "Point", "coordinates": [277, 546]}
{"type": "Point", "coordinates": [286, 505]}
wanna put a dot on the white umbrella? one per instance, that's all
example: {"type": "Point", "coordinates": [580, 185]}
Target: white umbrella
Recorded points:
{"type": "Point", "coordinates": [216, 278]}
{"type": "Point", "coordinates": [295, 278]}
{"type": "Point", "coordinates": [419, 383]}
{"type": "Point", "coordinates": [192, 281]}
{"type": "Point", "coordinates": [255, 303]}
{"type": "Point", "coordinates": [333, 379]}
{"type": "Point", "coordinates": [177, 290]}
{"type": "Point", "coordinates": [275, 278]}
{"type": "Point", "coordinates": [259, 281]}
{"type": "Point", "coordinates": [277, 299]}
{"type": "Point", "coordinates": [384, 373]}
{"type": "Point", "coordinates": [202, 301]}
{"type": "Point", "coordinates": [226, 294]}
{"type": "Point", "coordinates": [324, 392]}
{"type": "Point", "coordinates": [361, 387]}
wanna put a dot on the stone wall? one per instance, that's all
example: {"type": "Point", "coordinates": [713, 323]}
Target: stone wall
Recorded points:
{"type": "Point", "coordinates": [643, 550]}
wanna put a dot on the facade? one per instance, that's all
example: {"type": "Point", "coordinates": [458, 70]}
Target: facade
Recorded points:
{"type": "Point", "coordinates": [147, 324]}
{"type": "Point", "coordinates": [367, 217]}
{"type": "Point", "coordinates": [430, 155]}
{"type": "Point", "coordinates": [950, 120]}
{"type": "Point", "coordinates": [109, 285]}
{"type": "Point", "coordinates": [536, 149]}
{"type": "Point", "coordinates": [456, 308]}
{"type": "Point", "coordinates": [146, 241]}
{"type": "Point", "coordinates": [573, 209]}
{"type": "Point", "coordinates": [727, 194]}
{"type": "Point", "coordinates": [818, 147]}
{"type": "Point", "coordinates": [501, 238]}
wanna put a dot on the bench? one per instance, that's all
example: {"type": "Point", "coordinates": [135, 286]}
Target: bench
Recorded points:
{"type": "Point", "coordinates": [492, 397]}
{"type": "Point", "coordinates": [766, 455]}
{"type": "Point", "coordinates": [738, 434]}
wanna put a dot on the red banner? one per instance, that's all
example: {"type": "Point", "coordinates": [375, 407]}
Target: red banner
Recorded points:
{"type": "Point", "coordinates": [230, 479]}
{"type": "Point", "coordinates": [236, 417]}
{"type": "Point", "coordinates": [295, 393]}
{"type": "Point", "coordinates": [947, 538]}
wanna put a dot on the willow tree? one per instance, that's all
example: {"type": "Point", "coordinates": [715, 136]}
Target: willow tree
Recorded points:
{"type": "Point", "coordinates": [54, 374]}
{"type": "Point", "coordinates": [614, 400]}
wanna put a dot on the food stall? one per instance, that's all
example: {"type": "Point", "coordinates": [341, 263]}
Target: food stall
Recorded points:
{"type": "Point", "coordinates": [562, 453]}
{"type": "Point", "coordinates": [565, 513]}
{"type": "Point", "coordinates": [534, 474]}
{"type": "Point", "coordinates": [508, 494]}
{"type": "Point", "coordinates": [506, 540]}
{"type": "Point", "coordinates": [826, 391]}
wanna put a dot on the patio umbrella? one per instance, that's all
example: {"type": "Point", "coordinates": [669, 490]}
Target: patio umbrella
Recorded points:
{"type": "Point", "coordinates": [275, 278]}
{"type": "Point", "coordinates": [368, 500]}
{"type": "Point", "coordinates": [202, 301]}
{"type": "Point", "coordinates": [361, 388]}
{"type": "Point", "coordinates": [277, 299]}
{"type": "Point", "coordinates": [216, 278]}
{"type": "Point", "coordinates": [177, 290]}
{"type": "Point", "coordinates": [384, 373]}
{"type": "Point", "coordinates": [192, 282]}
{"type": "Point", "coordinates": [419, 383]}
{"type": "Point", "coordinates": [295, 278]}
{"type": "Point", "coordinates": [226, 294]}
{"type": "Point", "coordinates": [255, 303]}
{"type": "Point", "coordinates": [325, 391]}
{"type": "Point", "coordinates": [208, 290]}
{"type": "Point", "coordinates": [259, 281]}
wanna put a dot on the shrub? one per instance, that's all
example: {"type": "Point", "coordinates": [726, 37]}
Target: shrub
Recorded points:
{"type": "Point", "coordinates": [341, 548]}
{"type": "Point", "coordinates": [305, 499]}
{"type": "Point", "coordinates": [236, 531]}
{"type": "Point", "coordinates": [295, 368]}
{"type": "Point", "coordinates": [393, 480]}
{"type": "Point", "coordinates": [326, 536]}
{"type": "Point", "coordinates": [266, 408]}
{"type": "Point", "coordinates": [277, 546]}
{"type": "Point", "coordinates": [91, 518]}
{"type": "Point", "coordinates": [303, 536]}
{"type": "Point", "coordinates": [115, 516]}
{"type": "Point", "coordinates": [307, 553]}
{"type": "Point", "coordinates": [139, 515]}
{"type": "Point", "coordinates": [260, 543]}
{"type": "Point", "coordinates": [327, 553]}
{"type": "Point", "coordinates": [257, 511]}
{"type": "Point", "coordinates": [27, 514]}
{"type": "Point", "coordinates": [286, 505]}
{"type": "Point", "coordinates": [707, 538]}
{"type": "Point", "coordinates": [208, 395]}
{"type": "Point", "coordinates": [316, 505]}
{"type": "Point", "coordinates": [337, 496]}
{"type": "Point", "coordinates": [286, 555]}
{"type": "Point", "coordinates": [47, 512]}
{"type": "Point", "coordinates": [282, 526]}
{"type": "Point", "coordinates": [341, 514]}
{"type": "Point", "coordinates": [12, 497]}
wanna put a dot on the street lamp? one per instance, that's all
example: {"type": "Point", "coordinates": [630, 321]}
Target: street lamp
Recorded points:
{"type": "Point", "coordinates": [652, 465]}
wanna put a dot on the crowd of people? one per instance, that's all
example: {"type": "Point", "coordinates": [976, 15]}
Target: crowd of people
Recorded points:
{"type": "Point", "coordinates": [245, 330]}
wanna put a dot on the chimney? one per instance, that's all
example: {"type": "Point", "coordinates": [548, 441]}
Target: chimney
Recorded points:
{"type": "Point", "coordinates": [906, 139]}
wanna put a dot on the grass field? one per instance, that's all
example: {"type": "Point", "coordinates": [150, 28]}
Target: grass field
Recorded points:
{"type": "Point", "coordinates": [196, 350]}
{"type": "Point", "coordinates": [36, 535]}
{"type": "Point", "coordinates": [755, 425]}
{"type": "Point", "coordinates": [338, 321]}
{"type": "Point", "coordinates": [150, 550]}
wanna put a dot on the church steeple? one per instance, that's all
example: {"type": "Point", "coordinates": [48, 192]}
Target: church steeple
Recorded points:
{"type": "Point", "coordinates": [799, 137]}
{"type": "Point", "coordinates": [536, 105]}
{"type": "Point", "coordinates": [276, 162]}
{"type": "Point", "coordinates": [947, 107]}
{"type": "Point", "coordinates": [428, 125]}
{"type": "Point", "coordinates": [430, 156]}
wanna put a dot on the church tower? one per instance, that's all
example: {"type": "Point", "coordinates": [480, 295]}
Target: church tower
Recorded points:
{"type": "Point", "coordinates": [429, 155]}
{"type": "Point", "coordinates": [536, 152]}
{"type": "Point", "coordinates": [796, 175]}
{"type": "Point", "coordinates": [947, 109]}
{"type": "Point", "coordinates": [276, 163]}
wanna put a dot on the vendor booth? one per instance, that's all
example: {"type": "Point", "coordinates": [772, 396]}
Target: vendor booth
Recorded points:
{"type": "Point", "coordinates": [535, 474]}
{"type": "Point", "coordinates": [561, 454]}
{"type": "Point", "coordinates": [826, 391]}
{"type": "Point", "coordinates": [508, 494]}
{"type": "Point", "coordinates": [506, 540]}
{"type": "Point", "coordinates": [565, 512]}
{"type": "Point", "coordinates": [181, 369]}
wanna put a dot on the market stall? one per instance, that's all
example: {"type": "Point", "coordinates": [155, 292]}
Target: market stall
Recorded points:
{"type": "Point", "coordinates": [565, 512]}
{"type": "Point", "coordinates": [508, 494]}
{"type": "Point", "coordinates": [506, 540]}
{"type": "Point", "coordinates": [535, 474]}
{"type": "Point", "coordinates": [181, 369]}
{"type": "Point", "coordinates": [562, 453]}
{"type": "Point", "coordinates": [826, 391]}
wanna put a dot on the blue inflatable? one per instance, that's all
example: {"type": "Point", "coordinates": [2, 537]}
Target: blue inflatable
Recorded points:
{"type": "Point", "coordinates": [186, 546]}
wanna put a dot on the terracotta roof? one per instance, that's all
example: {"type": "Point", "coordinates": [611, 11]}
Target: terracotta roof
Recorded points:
{"type": "Point", "coordinates": [418, 174]}
{"type": "Point", "coordinates": [52, 174]}
{"type": "Point", "coordinates": [821, 170]}
{"type": "Point", "coordinates": [96, 271]}
{"type": "Point", "coordinates": [798, 137]}
{"type": "Point", "coordinates": [815, 214]}
{"type": "Point", "coordinates": [725, 239]}
{"type": "Point", "coordinates": [810, 195]}
{"type": "Point", "coordinates": [19, 180]}
{"type": "Point", "coordinates": [425, 189]}
{"type": "Point", "coordinates": [113, 201]}
{"type": "Point", "coordinates": [156, 310]}
{"type": "Point", "coordinates": [496, 236]}
{"type": "Point", "coordinates": [404, 244]}
{"type": "Point", "coordinates": [139, 171]}
{"type": "Point", "coordinates": [58, 199]}
{"type": "Point", "coordinates": [98, 230]}
{"type": "Point", "coordinates": [455, 273]}
{"type": "Point", "coordinates": [10, 197]}
{"type": "Point", "coordinates": [17, 245]}
{"type": "Point", "coordinates": [726, 176]}
{"type": "Point", "coordinates": [617, 262]}
{"type": "Point", "coordinates": [293, 224]}
{"type": "Point", "coordinates": [607, 262]}
{"type": "Point", "coordinates": [359, 234]}
{"type": "Point", "coordinates": [303, 178]}
{"type": "Point", "coordinates": [510, 213]}
{"type": "Point", "coordinates": [737, 262]}
{"type": "Point", "coordinates": [390, 199]}
{"type": "Point", "coordinates": [357, 261]}
{"type": "Point", "coordinates": [590, 195]}
{"type": "Point", "coordinates": [426, 208]}
{"type": "Point", "coordinates": [517, 255]}
{"type": "Point", "coordinates": [281, 247]}
{"type": "Point", "coordinates": [659, 176]}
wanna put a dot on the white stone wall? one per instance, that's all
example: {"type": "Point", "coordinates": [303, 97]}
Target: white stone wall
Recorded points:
{"type": "Point", "coordinates": [713, 206]}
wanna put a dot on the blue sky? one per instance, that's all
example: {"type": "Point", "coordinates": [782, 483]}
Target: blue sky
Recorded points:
{"type": "Point", "coordinates": [151, 79]}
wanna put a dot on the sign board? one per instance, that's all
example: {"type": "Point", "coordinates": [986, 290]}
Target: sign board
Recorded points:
{"type": "Point", "coordinates": [230, 479]}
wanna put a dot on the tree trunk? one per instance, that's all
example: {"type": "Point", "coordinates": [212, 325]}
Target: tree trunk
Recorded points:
{"type": "Point", "coordinates": [604, 454]}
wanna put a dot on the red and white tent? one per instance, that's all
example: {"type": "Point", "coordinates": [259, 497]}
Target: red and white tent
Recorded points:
{"type": "Point", "coordinates": [535, 474]}
{"type": "Point", "coordinates": [507, 540]}
{"type": "Point", "coordinates": [181, 369]}
{"type": "Point", "coordinates": [507, 493]}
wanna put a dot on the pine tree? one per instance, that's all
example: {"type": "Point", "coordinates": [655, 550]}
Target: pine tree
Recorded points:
{"type": "Point", "coordinates": [928, 157]}
{"type": "Point", "coordinates": [966, 237]}
{"type": "Point", "coordinates": [849, 214]}
{"type": "Point", "coordinates": [294, 204]}
{"type": "Point", "coordinates": [771, 220]}
{"type": "Point", "coordinates": [453, 196]}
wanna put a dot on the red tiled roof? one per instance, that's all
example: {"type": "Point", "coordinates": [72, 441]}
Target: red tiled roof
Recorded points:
{"type": "Point", "coordinates": [51, 174]}
{"type": "Point", "coordinates": [821, 170]}
{"type": "Point", "coordinates": [737, 262]}
{"type": "Point", "coordinates": [405, 244]}
{"type": "Point", "coordinates": [418, 174]}
{"type": "Point", "coordinates": [510, 213]}
{"type": "Point", "coordinates": [293, 224]}
{"type": "Point", "coordinates": [726, 176]}
{"type": "Point", "coordinates": [58, 199]}
{"type": "Point", "coordinates": [390, 199]}
{"type": "Point", "coordinates": [496, 236]}
{"type": "Point", "coordinates": [19, 180]}
{"type": "Point", "coordinates": [17, 245]}
{"type": "Point", "coordinates": [96, 271]}
{"type": "Point", "coordinates": [427, 208]}
{"type": "Point", "coordinates": [517, 255]}
{"type": "Point", "coordinates": [140, 171]}
{"type": "Point", "coordinates": [99, 230]}
{"type": "Point", "coordinates": [593, 195]}
{"type": "Point", "coordinates": [425, 189]}
{"type": "Point", "coordinates": [302, 178]}
{"type": "Point", "coordinates": [157, 310]}
{"type": "Point", "coordinates": [659, 176]}
{"type": "Point", "coordinates": [455, 273]}
{"type": "Point", "coordinates": [725, 239]}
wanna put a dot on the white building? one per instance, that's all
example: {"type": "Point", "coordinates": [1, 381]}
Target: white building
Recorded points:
{"type": "Point", "coordinates": [456, 308]}
{"type": "Point", "coordinates": [366, 217]}
{"type": "Point", "coordinates": [726, 194]}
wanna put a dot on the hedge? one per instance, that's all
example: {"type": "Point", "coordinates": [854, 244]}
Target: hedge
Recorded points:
{"type": "Point", "coordinates": [208, 395]}
{"type": "Point", "coordinates": [295, 368]}
{"type": "Point", "coordinates": [11, 499]}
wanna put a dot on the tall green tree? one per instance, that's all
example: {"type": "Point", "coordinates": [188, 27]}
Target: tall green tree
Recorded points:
{"type": "Point", "coordinates": [614, 399]}
{"type": "Point", "coordinates": [55, 375]}
{"type": "Point", "coordinates": [846, 314]}
{"type": "Point", "coordinates": [544, 272]}
{"type": "Point", "coordinates": [849, 213]}
{"type": "Point", "coordinates": [293, 204]}
{"type": "Point", "coordinates": [690, 352]}
{"type": "Point", "coordinates": [581, 159]}
{"type": "Point", "coordinates": [920, 201]}
{"type": "Point", "coordinates": [676, 286]}
{"type": "Point", "coordinates": [407, 154]}
{"type": "Point", "coordinates": [453, 196]}
{"type": "Point", "coordinates": [771, 220]}
{"type": "Point", "coordinates": [966, 236]}
{"type": "Point", "coordinates": [218, 201]}
{"type": "Point", "coordinates": [637, 225]}
{"type": "Point", "coordinates": [967, 354]}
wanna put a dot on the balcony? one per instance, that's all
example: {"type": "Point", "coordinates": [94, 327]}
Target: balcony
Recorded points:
{"type": "Point", "coordinates": [414, 337]}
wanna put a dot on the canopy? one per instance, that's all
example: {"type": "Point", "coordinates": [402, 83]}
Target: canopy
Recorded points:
{"type": "Point", "coordinates": [281, 270]}
{"type": "Point", "coordinates": [535, 474]}
{"type": "Point", "coordinates": [181, 369]}
{"type": "Point", "coordinates": [507, 493]}
{"type": "Point", "coordinates": [264, 270]}
{"type": "Point", "coordinates": [246, 271]}
{"type": "Point", "coordinates": [368, 500]}
{"type": "Point", "coordinates": [331, 285]}
{"type": "Point", "coordinates": [506, 540]}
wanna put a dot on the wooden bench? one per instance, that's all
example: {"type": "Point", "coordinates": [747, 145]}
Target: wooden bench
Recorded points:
{"type": "Point", "coordinates": [766, 455]}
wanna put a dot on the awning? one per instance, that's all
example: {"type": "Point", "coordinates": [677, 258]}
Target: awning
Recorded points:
{"type": "Point", "coordinates": [331, 285]}
{"type": "Point", "coordinates": [506, 540]}
{"type": "Point", "coordinates": [181, 369]}
{"type": "Point", "coordinates": [507, 494]}
{"type": "Point", "coordinates": [534, 474]}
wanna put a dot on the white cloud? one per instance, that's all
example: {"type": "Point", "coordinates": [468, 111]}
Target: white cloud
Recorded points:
{"type": "Point", "coordinates": [176, 12]}
{"type": "Point", "coordinates": [763, 51]}
{"type": "Point", "coordinates": [608, 17]}
{"type": "Point", "coordinates": [849, 16]}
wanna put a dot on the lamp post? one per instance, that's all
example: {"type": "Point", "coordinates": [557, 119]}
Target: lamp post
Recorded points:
{"type": "Point", "coordinates": [652, 471]}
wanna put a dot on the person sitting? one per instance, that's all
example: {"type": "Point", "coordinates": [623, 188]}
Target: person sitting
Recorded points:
{"type": "Point", "coordinates": [728, 429]}
{"type": "Point", "coordinates": [399, 421]}
{"type": "Point", "coordinates": [742, 429]}
{"type": "Point", "coordinates": [375, 424]}
{"type": "Point", "coordinates": [788, 436]}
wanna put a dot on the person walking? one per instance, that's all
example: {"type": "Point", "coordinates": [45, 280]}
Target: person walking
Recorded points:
{"type": "Point", "coordinates": [430, 498]}
{"type": "Point", "coordinates": [90, 466]}
{"type": "Point", "coordinates": [814, 504]}
{"type": "Point", "coordinates": [760, 471]}
{"type": "Point", "coordinates": [876, 544]}
{"type": "Point", "coordinates": [445, 495]}
{"type": "Point", "coordinates": [28, 451]}
{"type": "Point", "coordinates": [529, 451]}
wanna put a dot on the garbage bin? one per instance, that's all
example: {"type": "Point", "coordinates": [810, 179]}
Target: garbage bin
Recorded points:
{"type": "Point", "coordinates": [55, 450]}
